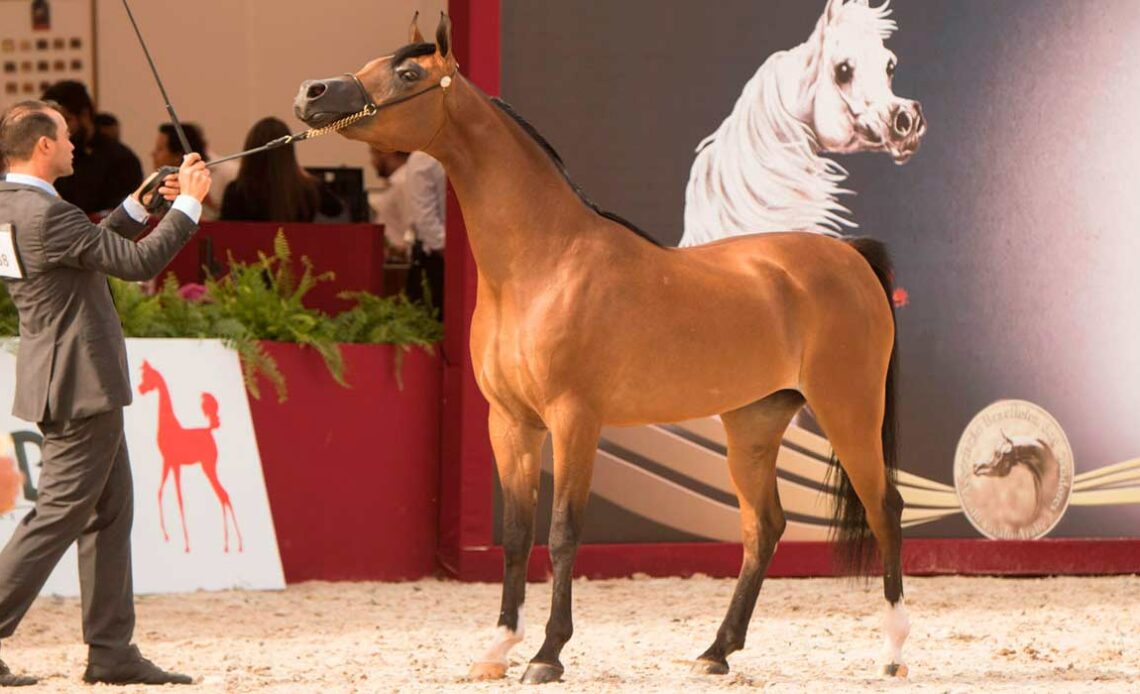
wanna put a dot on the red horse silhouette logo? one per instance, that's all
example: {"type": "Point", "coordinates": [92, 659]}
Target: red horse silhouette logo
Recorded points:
{"type": "Point", "coordinates": [180, 447]}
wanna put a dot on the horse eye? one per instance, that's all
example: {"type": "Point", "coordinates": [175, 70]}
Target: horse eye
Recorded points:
{"type": "Point", "coordinates": [891, 69]}
{"type": "Point", "coordinates": [844, 72]}
{"type": "Point", "coordinates": [409, 75]}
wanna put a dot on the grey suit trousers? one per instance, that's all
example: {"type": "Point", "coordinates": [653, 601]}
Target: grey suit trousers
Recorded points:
{"type": "Point", "coordinates": [85, 494]}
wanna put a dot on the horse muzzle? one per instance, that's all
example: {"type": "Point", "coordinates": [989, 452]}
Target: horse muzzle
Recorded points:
{"type": "Point", "coordinates": [906, 125]}
{"type": "Point", "coordinates": [321, 102]}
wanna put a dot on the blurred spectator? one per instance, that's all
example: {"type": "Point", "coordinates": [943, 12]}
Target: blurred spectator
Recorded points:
{"type": "Point", "coordinates": [106, 171]}
{"type": "Point", "coordinates": [168, 152]}
{"type": "Point", "coordinates": [387, 199]}
{"type": "Point", "coordinates": [272, 187]}
{"type": "Point", "coordinates": [107, 125]}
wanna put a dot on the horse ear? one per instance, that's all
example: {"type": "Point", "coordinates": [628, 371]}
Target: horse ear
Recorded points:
{"type": "Point", "coordinates": [831, 13]}
{"type": "Point", "coordinates": [830, 16]}
{"type": "Point", "coordinates": [443, 35]}
{"type": "Point", "coordinates": [414, 35]}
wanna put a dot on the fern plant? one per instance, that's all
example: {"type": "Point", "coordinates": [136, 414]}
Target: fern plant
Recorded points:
{"type": "Point", "coordinates": [264, 300]}
{"type": "Point", "coordinates": [389, 320]}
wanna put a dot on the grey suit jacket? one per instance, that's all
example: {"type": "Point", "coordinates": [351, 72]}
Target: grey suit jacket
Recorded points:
{"type": "Point", "coordinates": [72, 360]}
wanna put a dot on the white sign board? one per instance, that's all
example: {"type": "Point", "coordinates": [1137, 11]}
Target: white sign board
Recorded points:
{"type": "Point", "coordinates": [190, 427]}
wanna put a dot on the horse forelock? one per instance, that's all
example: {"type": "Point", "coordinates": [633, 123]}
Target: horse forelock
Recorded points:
{"type": "Point", "coordinates": [866, 18]}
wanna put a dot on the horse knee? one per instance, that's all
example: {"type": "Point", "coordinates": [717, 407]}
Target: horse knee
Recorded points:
{"type": "Point", "coordinates": [772, 526]}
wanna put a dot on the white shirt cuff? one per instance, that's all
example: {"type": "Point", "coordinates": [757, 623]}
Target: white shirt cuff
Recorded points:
{"type": "Point", "coordinates": [189, 207]}
{"type": "Point", "coordinates": [135, 209]}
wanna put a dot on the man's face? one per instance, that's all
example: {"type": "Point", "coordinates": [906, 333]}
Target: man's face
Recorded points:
{"type": "Point", "coordinates": [61, 150]}
{"type": "Point", "coordinates": [161, 155]}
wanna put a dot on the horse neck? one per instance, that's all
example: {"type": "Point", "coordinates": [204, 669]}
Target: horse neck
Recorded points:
{"type": "Point", "coordinates": [519, 210]}
{"type": "Point", "coordinates": [761, 170]}
{"type": "Point", "coordinates": [166, 418]}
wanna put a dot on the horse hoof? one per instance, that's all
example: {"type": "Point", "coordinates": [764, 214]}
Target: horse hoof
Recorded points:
{"type": "Point", "coordinates": [487, 671]}
{"type": "Point", "coordinates": [704, 666]}
{"type": "Point", "coordinates": [542, 673]}
{"type": "Point", "coordinates": [898, 670]}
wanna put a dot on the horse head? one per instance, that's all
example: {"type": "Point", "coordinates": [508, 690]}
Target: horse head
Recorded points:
{"type": "Point", "coordinates": [150, 378]}
{"type": "Point", "coordinates": [1034, 454]}
{"type": "Point", "coordinates": [1000, 463]}
{"type": "Point", "coordinates": [391, 86]}
{"type": "Point", "coordinates": [844, 87]}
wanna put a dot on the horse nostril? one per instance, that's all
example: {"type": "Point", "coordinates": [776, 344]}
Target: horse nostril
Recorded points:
{"type": "Point", "coordinates": [902, 123]}
{"type": "Point", "coordinates": [316, 90]}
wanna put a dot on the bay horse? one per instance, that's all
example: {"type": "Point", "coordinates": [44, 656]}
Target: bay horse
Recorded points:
{"type": "Point", "coordinates": [580, 322]}
{"type": "Point", "coordinates": [762, 169]}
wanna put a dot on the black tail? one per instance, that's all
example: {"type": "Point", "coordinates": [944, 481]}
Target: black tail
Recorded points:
{"type": "Point", "coordinates": [855, 551]}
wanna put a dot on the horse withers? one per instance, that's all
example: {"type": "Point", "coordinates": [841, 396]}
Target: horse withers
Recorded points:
{"type": "Point", "coordinates": [581, 322]}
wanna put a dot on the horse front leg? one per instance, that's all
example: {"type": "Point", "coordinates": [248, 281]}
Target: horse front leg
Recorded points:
{"type": "Point", "coordinates": [518, 448]}
{"type": "Point", "coordinates": [575, 443]}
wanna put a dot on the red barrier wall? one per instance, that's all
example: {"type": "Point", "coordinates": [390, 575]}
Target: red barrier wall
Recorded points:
{"type": "Point", "coordinates": [352, 474]}
{"type": "Point", "coordinates": [354, 252]}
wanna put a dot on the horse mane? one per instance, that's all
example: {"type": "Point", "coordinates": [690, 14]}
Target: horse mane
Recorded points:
{"type": "Point", "coordinates": [761, 170]}
{"type": "Point", "coordinates": [876, 19]}
{"type": "Point", "coordinates": [557, 160]}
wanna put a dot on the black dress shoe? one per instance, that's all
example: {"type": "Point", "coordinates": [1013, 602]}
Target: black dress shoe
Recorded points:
{"type": "Point", "coordinates": [7, 679]}
{"type": "Point", "coordinates": [129, 667]}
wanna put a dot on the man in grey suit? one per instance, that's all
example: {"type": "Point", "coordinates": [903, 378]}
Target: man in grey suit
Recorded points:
{"type": "Point", "coordinates": [71, 378]}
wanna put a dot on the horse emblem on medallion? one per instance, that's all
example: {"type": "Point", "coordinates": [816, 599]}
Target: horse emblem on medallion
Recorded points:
{"type": "Point", "coordinates": [1013, 471]}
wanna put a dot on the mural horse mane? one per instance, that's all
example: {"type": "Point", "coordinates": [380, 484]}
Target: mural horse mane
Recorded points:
{"type": "Point", "coordinates": [581, 323]}
{"type": "Point", "coordinates": [762, 170]}
{"type": "Point", "coordinates": [1037, 457]}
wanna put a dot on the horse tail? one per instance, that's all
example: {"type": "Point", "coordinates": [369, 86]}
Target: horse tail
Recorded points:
{"type": "Point", "coordinates": [210, 409]}
{"type": "Point", "coordinates": [855, 553]}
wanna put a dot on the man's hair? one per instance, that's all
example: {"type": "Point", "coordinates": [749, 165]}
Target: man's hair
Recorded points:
{"type": "Point", "coordinates": [23, 126]}
{"type": "Point", "coordinates": [193, 138]}
{"type": "Point", "coordinates": [72, 96]}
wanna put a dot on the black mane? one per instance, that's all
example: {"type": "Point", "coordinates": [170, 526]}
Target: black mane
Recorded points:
{"type": "Point", "coordinates": [537, 137]}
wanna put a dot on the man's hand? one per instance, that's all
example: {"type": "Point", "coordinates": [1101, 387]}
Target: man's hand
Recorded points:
{"type": "Point", "coordinates": [194, 177]}
{"type": "Point", "coordinates": [167, 188]}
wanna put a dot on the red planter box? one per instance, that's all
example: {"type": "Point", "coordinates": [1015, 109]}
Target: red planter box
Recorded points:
{"type": "Point", "coordinates": [352, 473]}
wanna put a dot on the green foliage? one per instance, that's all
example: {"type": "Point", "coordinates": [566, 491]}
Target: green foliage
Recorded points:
{"type": "Point", "coordinates": [390, 320]}
{"type": "Point", "coordinates": [263, 300]}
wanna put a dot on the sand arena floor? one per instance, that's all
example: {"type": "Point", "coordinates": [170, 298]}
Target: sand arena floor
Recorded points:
{"type": "Point", "coordinates": [639, 635]}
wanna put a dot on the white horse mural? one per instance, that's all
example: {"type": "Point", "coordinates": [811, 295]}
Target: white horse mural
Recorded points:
{"type": "Point", "coordinates": [762, 169]}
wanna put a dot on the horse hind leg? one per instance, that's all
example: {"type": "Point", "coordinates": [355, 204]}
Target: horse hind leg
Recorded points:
{"type": "Point", "coordinates": [518, 449]}
{"type": "Point", "coordinates": [852, 416]}
{"type": "Point", "coordinates": [754, 436]}
{"type": "Point", "coordinates": [210, 468]}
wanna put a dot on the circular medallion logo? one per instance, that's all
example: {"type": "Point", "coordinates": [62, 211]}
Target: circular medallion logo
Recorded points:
{"type": "Point", "coordinates": [1013, 471]}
